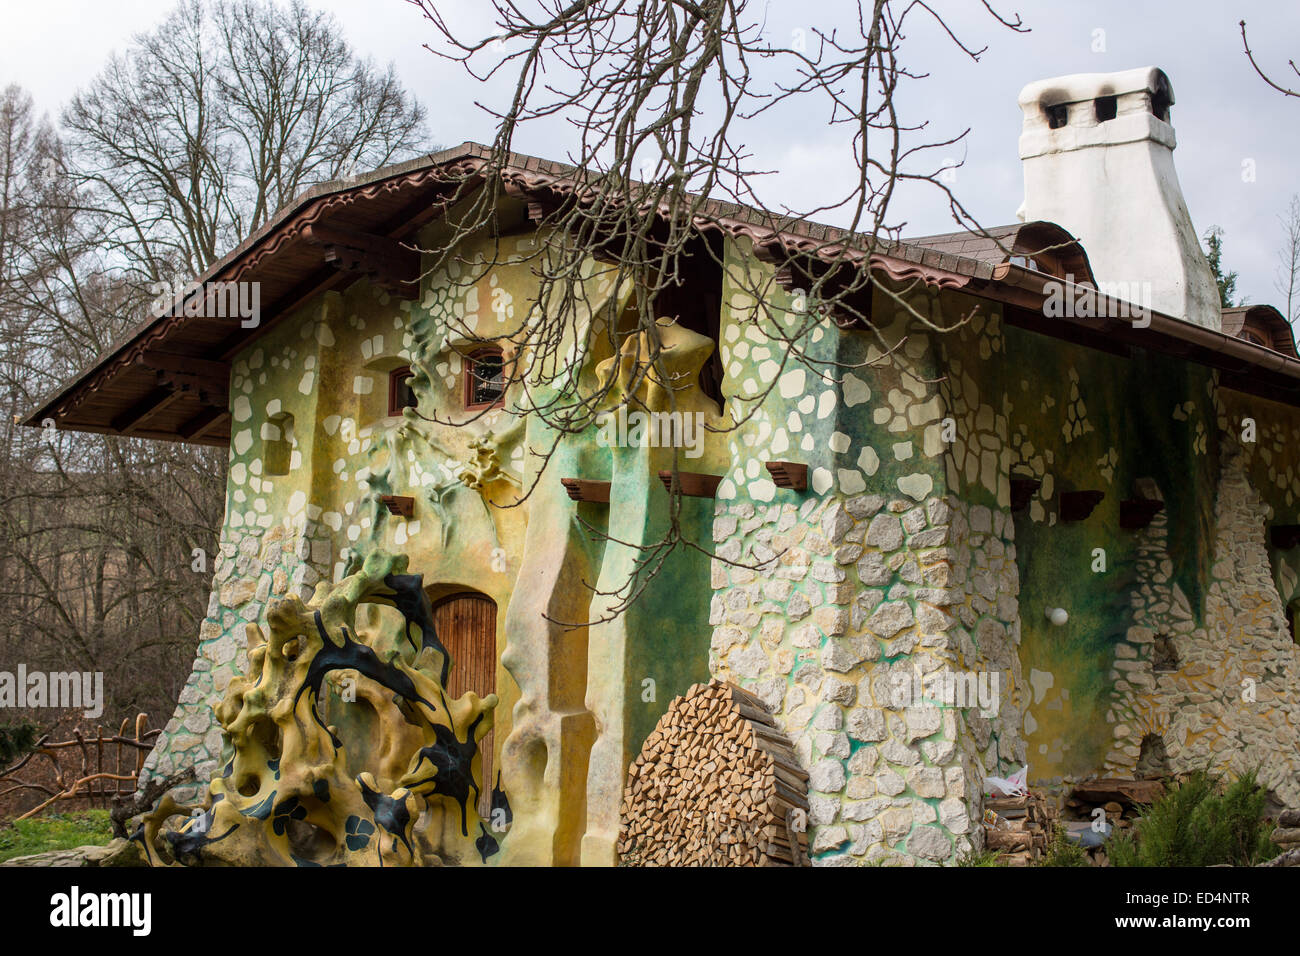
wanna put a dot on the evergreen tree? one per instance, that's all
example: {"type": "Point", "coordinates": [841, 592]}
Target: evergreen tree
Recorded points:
{"type": "Point", "coordinates": [1227, 282]}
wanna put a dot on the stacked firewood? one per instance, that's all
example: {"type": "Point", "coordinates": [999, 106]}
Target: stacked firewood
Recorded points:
{"type": "Point", "coordinates": [716, 784]}
{"type": "Point", "coordinates": [1122, 800]}
{"type": "Point", "coordinates": [1019, 828]}
{"type": "Point", "coordinates": [1287, 834]}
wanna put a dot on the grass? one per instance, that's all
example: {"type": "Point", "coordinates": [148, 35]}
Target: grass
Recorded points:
{"type": "Point", "coordinates": [980, 858]}
{"type": "Point", "coordinates": [1200, 821]}
{"type": "Point", "coordinates": [57, 831]}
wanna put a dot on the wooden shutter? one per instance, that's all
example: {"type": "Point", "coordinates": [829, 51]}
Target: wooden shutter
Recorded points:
{"type": "Point", "coordinates": [467, 626]}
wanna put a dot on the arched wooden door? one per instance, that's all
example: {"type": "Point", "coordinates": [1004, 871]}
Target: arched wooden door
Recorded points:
{"type": "Point", "coordinates": [467, 626]}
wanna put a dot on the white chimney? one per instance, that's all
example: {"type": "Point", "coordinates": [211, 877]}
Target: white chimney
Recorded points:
{"type": "Point", "coordinates": [1098, 156]}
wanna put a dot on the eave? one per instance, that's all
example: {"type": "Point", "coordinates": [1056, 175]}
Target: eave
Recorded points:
{"type": "Point", "coordinates": [145, 385]}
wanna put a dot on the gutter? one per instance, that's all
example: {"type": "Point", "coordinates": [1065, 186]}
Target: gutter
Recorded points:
{"type": "Point", "coordinates": [1250, 356]}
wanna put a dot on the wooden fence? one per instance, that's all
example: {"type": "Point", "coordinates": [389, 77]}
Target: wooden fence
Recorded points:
{"type": "Point", "coordinates": [101, 774]}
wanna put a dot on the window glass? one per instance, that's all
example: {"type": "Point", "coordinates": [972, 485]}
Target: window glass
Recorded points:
{"type": "Point", "coordinates": [400, 393]}
{"type": "Point", "coordinates": [485, 378]}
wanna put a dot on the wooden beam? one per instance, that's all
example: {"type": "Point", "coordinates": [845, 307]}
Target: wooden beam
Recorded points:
{"type": "Point", "coordinates": [367, 241]}
{"type": "Point", "coordinates": [210, 391]}
{"type": "Point", "coordinates": [1284, 536]}
{"type": "Point", "coordinates": [384, 261]}
{"type": "Point", "coordinates": [411, 218]}
{"type": "Point", "coordinates": [1077, 505]}
{"type": "Point", "coordinates": [143, 410]}
{"type": "Point", "coordinates": [537, 203]}
{"type": "Point", "coordinates": [693, 484]}
{"type": "Point", "coordinates": [170, 362]}
{"type": "Point", "coordinates": [201, 424]}
{"type": "Point", "coordinates": [402, 505]}
{"type": "Point", "coordinates": [321, 281]}
{"type": "Point", "coordinates": [585, 489]}
{"type": "Point", "coordinates": [788, 474]}
{"type": "Point", "coordinates": [1022, 490]}
{"type": "Point", "coordinates": [1135, 513]}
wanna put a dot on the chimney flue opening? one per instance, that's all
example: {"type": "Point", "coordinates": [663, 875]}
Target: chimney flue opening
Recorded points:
{"type": "Point", "coordinates": [1106, 107]}
{"type": "Point", "coordinates": [1058, 115]}
{"type": "Point", "coordinates": [1161, 99]}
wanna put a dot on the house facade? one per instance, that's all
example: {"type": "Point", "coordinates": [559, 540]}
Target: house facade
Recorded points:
{"type": "Point", "coordinates": [1042, 514]}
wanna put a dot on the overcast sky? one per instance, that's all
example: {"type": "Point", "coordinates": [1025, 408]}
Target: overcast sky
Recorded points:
{"type": "Point", "coordinates": [1223, 114]}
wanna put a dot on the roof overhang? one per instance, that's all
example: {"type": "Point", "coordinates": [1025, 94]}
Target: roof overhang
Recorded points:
{"type": "Point", "coordinates": [168, 377]}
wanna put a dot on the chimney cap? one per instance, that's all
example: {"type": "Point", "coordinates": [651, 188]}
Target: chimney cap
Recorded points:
{"type": "Point", "coordinates": [1081, 87]}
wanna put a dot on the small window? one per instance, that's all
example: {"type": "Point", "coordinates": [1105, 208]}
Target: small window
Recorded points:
{"type": "Point", "coordinates": [1164, 657]}
{"type": "Point", "coordinates": [277, 444]}
{"type": "Point", "coordinates": [1107, 107]}
{"type": "Point", "coordinates": [400, 393]}
{"type": "Point", "coordinates": [485, 383]}
{"type": "Point", "coordinates": [1153, 758]}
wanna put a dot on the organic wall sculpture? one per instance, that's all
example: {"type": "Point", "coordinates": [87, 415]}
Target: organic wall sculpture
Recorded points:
{"type": "Point", "coordinates": [346, 750]}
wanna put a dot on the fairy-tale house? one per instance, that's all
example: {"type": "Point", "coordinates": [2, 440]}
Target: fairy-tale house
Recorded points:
{"type": "Point", "coordinates": [1082, 505]}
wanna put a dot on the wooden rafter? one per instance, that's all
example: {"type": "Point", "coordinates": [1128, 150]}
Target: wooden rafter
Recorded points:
{"type": "Point", "coordinates": [203, 424]}
{"type": "Point", "coordinates": [384, 261]}
{"type": "Point", "coordinates": [325, 280]}
{"type": "Point", "coordinates": [170, 362]}
{"type": "Point", "coordinates": [139, 413]}
{"type": "Point", "coordinates": [209, 379]}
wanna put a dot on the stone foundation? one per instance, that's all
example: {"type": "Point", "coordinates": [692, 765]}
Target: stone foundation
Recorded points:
{"type": "Point", "coordinates": [253, 564]}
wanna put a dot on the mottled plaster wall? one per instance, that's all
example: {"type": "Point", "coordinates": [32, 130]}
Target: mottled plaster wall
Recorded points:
{"type": "Point", "coordinates": [1198, 578]}
{"type": "Point", "coordinates": [326, 367]}
{"type": "Point", "coordinates": [1078, 419]}
{"type": "Point", "coordinates": [575, 705]}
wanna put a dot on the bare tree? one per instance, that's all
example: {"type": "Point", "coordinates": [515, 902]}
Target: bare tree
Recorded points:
{"type": "Point", "coordinates": [187, 141]}
{"type": "Point", "coordinates": [1288, 273]}
{"type": "Point", "coordinates": [229, 109]}
{"type": "Point", "coordinates": [90, 530]}
{"type": "Point", "coordinates": [1284, 90]}
{"type": "Point", "coordinates": [1288, 280]}
{"type": "Point", "coordinates": [660, 96]}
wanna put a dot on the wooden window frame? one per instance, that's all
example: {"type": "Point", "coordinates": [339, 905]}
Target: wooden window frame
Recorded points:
{"type": "Point", "coordinates": [468, 374]}
{"type": "Point", "coordinates": [396, 381]}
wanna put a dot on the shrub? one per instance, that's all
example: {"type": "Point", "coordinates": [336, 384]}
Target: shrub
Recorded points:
{"type": "Point", "coordinates": [16, 740]}
{"type": "Point", "coordinates": [1061, 852]}
{"type": "Point", "coordinates": [1199, 822]}
{"type": "Point", "coordinates": [980, 858]}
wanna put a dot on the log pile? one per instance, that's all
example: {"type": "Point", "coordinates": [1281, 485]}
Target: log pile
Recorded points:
{"type": "Point", "coordinates": [1021, 827]}
{"type": "Point", "coordinates": [1122, 800]}
{"type": "Point", "coordinates": [1118, 790]}
{"type": "Point", "coordinates": [716, 784]}
{"type": "Point", "coordinates": [1287, 834]}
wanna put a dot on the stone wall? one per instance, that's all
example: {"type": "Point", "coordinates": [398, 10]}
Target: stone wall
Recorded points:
{"type": "Point", "coordinates": [829, 608]}
{"type": "Point", "coordinates": [1226, 698]}
{"type": "Point", "coordinates": [253, 564]}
